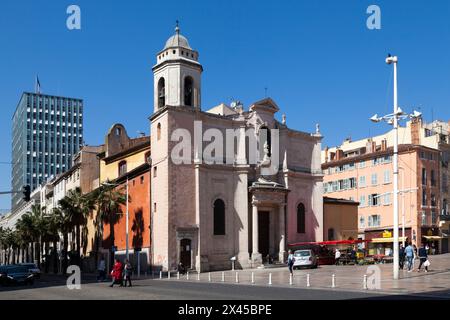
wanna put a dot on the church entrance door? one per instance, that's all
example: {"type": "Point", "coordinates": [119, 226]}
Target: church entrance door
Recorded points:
{"type": "Point", "coordinates": [263, 232]}
{"type": "Point", "coordinates": [185, 253]}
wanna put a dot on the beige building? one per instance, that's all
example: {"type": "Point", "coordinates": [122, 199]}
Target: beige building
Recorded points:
{"type": "Point", "coordinates": [362, 171]}
{"type": "Point", "coordinates": [340, 219]}
{"type": "Point", "coordinates": [206, 212]}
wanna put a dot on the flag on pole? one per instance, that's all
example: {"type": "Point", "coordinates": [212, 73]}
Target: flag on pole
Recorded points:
{"type": "Point", "coordinates": [38, 86]}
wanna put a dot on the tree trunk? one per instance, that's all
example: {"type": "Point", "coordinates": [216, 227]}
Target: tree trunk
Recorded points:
{"type": "Point", "coordinates": [64, 254]}
{"type": "Point", "coordinates": [111, 237]}
{"type": "Point", "coordinates": [78, 243]}
{"type": "Point", "coordinates": [55, 257]}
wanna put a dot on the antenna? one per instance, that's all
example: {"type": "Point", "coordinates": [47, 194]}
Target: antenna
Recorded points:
{"type": "Point", "coordinates": [265, 92]}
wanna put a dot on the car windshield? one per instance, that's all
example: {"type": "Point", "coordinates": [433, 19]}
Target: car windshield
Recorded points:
{"type": "Point", "coordinates": [303, 253]}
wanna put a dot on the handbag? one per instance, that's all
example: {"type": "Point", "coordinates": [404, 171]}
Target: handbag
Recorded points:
{"type": "Point", "coordinates": [426, 263]}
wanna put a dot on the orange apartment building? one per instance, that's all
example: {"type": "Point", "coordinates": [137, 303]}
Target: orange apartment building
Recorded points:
{"type": "Point", "coordinates": [126, 160]}
{"type": "Point", "coordinates": [362, 171]}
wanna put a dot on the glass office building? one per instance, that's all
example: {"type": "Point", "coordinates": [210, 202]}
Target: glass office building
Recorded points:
{"type": "Point", "coordinates": [46, 132]}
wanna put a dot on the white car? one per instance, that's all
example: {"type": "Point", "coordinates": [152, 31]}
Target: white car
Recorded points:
{"type": "Point", "coordinates": [305, 258]}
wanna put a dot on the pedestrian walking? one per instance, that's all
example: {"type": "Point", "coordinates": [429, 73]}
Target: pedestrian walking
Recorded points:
{"type": "Point", "coordinates": [116, 273]}
{"type": "Point", "coordinates": [101, 268]}
{"type": "Point", "coordinates": [181, 268]}
{"type": "Point", "coordinates": [409, 253]}
{"type": "Point", "coordinates": [290, 262]}
{"type": "Point", "coordinates": [337, 256]}
{"type": "Point", "coordinates": [401, 255]}
{"type": "Point", "coordinates": [423, 256]}
{"type": "Point", "coordinates": [127, 271]}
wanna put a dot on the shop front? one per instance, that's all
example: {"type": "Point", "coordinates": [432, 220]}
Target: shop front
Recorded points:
{"type": "Point", "coordinates": [432, 238]}
{"type": "Point", "coordinates": [380, 242]}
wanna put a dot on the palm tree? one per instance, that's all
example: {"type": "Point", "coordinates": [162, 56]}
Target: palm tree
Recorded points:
{"type": "Point", "coordinates": [108, 198]}
{"type": "Point", "coordinates": [39, 229]}
{"type": "Point", "coordinates": [28, 232]}
{"type": "Point", "coordinates": [76, 207]}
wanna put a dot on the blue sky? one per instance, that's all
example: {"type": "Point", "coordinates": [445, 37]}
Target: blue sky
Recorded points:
{"type": "Point", "coordinates": [317, 58]}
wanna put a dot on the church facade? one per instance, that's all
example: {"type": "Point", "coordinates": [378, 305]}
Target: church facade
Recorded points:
{"type": "Point", "coordinates": [205, 211]}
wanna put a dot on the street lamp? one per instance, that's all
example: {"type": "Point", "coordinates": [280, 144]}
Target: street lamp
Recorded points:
{"type": "Point", "coordinates": [126, 217]}
{"type": "Point", "coordinates": [393, 119]}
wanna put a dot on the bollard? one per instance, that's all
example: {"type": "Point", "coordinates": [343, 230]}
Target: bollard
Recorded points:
{"type": "Point", "coordinates": [187, 275]}
{"type": "Point", "coordinates": [270, 279]}
{"type": "Point", "coordinates": [160, 274]}
{"type": "Point", "coordinates": [365, 282]}
{"type": "Point", "coordinates": [178, 275]}
{"type": "Point", "coordinates": [237, 277]}
{"type": "Point", "coordinates": [253, 278]}
{"type": "Point", "coordinates": [209, 276]}
{"type": "Point", "coordinates": [198, 275]}
{"type": "Point", "coordinates": [168, 274]}
{"type": "Point", "coordinates": [308, 284]}
{"type": "Point", "coordinates": [333, 281]}
{"type": "Point", "coordinates": [290, 279]}
{"type": "Point", "coordinates": [223, 276]}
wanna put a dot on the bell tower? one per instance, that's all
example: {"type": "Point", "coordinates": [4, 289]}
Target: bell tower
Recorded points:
{"type": "Point", "coordinates": [177, 74]}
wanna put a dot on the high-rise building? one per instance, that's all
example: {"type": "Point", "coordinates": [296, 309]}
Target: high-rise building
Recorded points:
{"type": "Point", "coordinates": [46, 132]}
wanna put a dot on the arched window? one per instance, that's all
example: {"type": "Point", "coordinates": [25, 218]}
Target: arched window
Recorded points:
{"type": "Point", "coordinates": [158, 131]}
{"type": "Point", "coordinates": [331, 234]}
{"type": "Point", "coordinates": [301, 219]}
{"type": "Point", "coordinates": [188, 91]}
{"type": "Point", "coordinates": [122, 168]}
{"type": "Point", "coordinates": [219, 217]}
{"type": "Point", "coordinates": [264, 136]}
{"type": "Point", "coordinates": [161, 93]}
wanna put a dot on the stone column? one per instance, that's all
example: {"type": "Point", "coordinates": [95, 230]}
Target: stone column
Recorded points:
{"type": "Point", "coordinates": [282, 229]}
{"type": "Point", "coordinates": [256, 256]}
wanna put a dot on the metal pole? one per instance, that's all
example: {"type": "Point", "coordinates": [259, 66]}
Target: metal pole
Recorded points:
{"type": "Point", "coordinates": [403, 208]}
{"type": "Point", "coordinates": [396, 248]}
{"type": "Point", "coordinates": [126, 226]}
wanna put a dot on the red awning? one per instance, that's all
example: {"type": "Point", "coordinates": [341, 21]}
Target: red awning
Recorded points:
{"type": "Point", "coordinates": [328, 243]}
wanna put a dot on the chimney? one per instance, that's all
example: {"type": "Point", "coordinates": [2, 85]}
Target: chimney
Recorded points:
{"type": "Point", "coordinates": [416, 125]}
{"type": "Point", "coordinates": [326, 154]}
{"type": "Point", "coordinates": [339, 154]}
{"type": "Point", "coordinates": [384, 145]}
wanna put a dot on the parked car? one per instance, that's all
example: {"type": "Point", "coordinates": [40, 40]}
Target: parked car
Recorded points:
{"type": "Point", "coordinates": [15, 274]}
{"type": "Point", "coordinates": [34, 269]}
{"type": "Point", "coordinates": [305, 258]}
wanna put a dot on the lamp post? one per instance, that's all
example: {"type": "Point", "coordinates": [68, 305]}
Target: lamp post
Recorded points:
{"type": "Point", "coordinates": [394, 119]}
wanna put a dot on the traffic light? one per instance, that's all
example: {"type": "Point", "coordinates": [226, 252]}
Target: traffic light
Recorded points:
{"type": "Point", "coordinates": [26, 193]}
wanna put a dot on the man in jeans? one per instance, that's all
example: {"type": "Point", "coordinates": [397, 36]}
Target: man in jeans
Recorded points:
{"type": "Point", "coordinates": [409, 252]}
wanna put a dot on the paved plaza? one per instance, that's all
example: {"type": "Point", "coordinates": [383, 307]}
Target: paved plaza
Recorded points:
{"type": "Point", "coordinates": [348, 285]}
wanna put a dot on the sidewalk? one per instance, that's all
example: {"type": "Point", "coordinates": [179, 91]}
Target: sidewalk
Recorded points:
{"type": "Point", "coordinates": [348, 278]}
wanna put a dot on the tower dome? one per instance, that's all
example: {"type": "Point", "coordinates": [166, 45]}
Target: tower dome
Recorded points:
{"type": "Point", "coordinates": [177, 40]}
